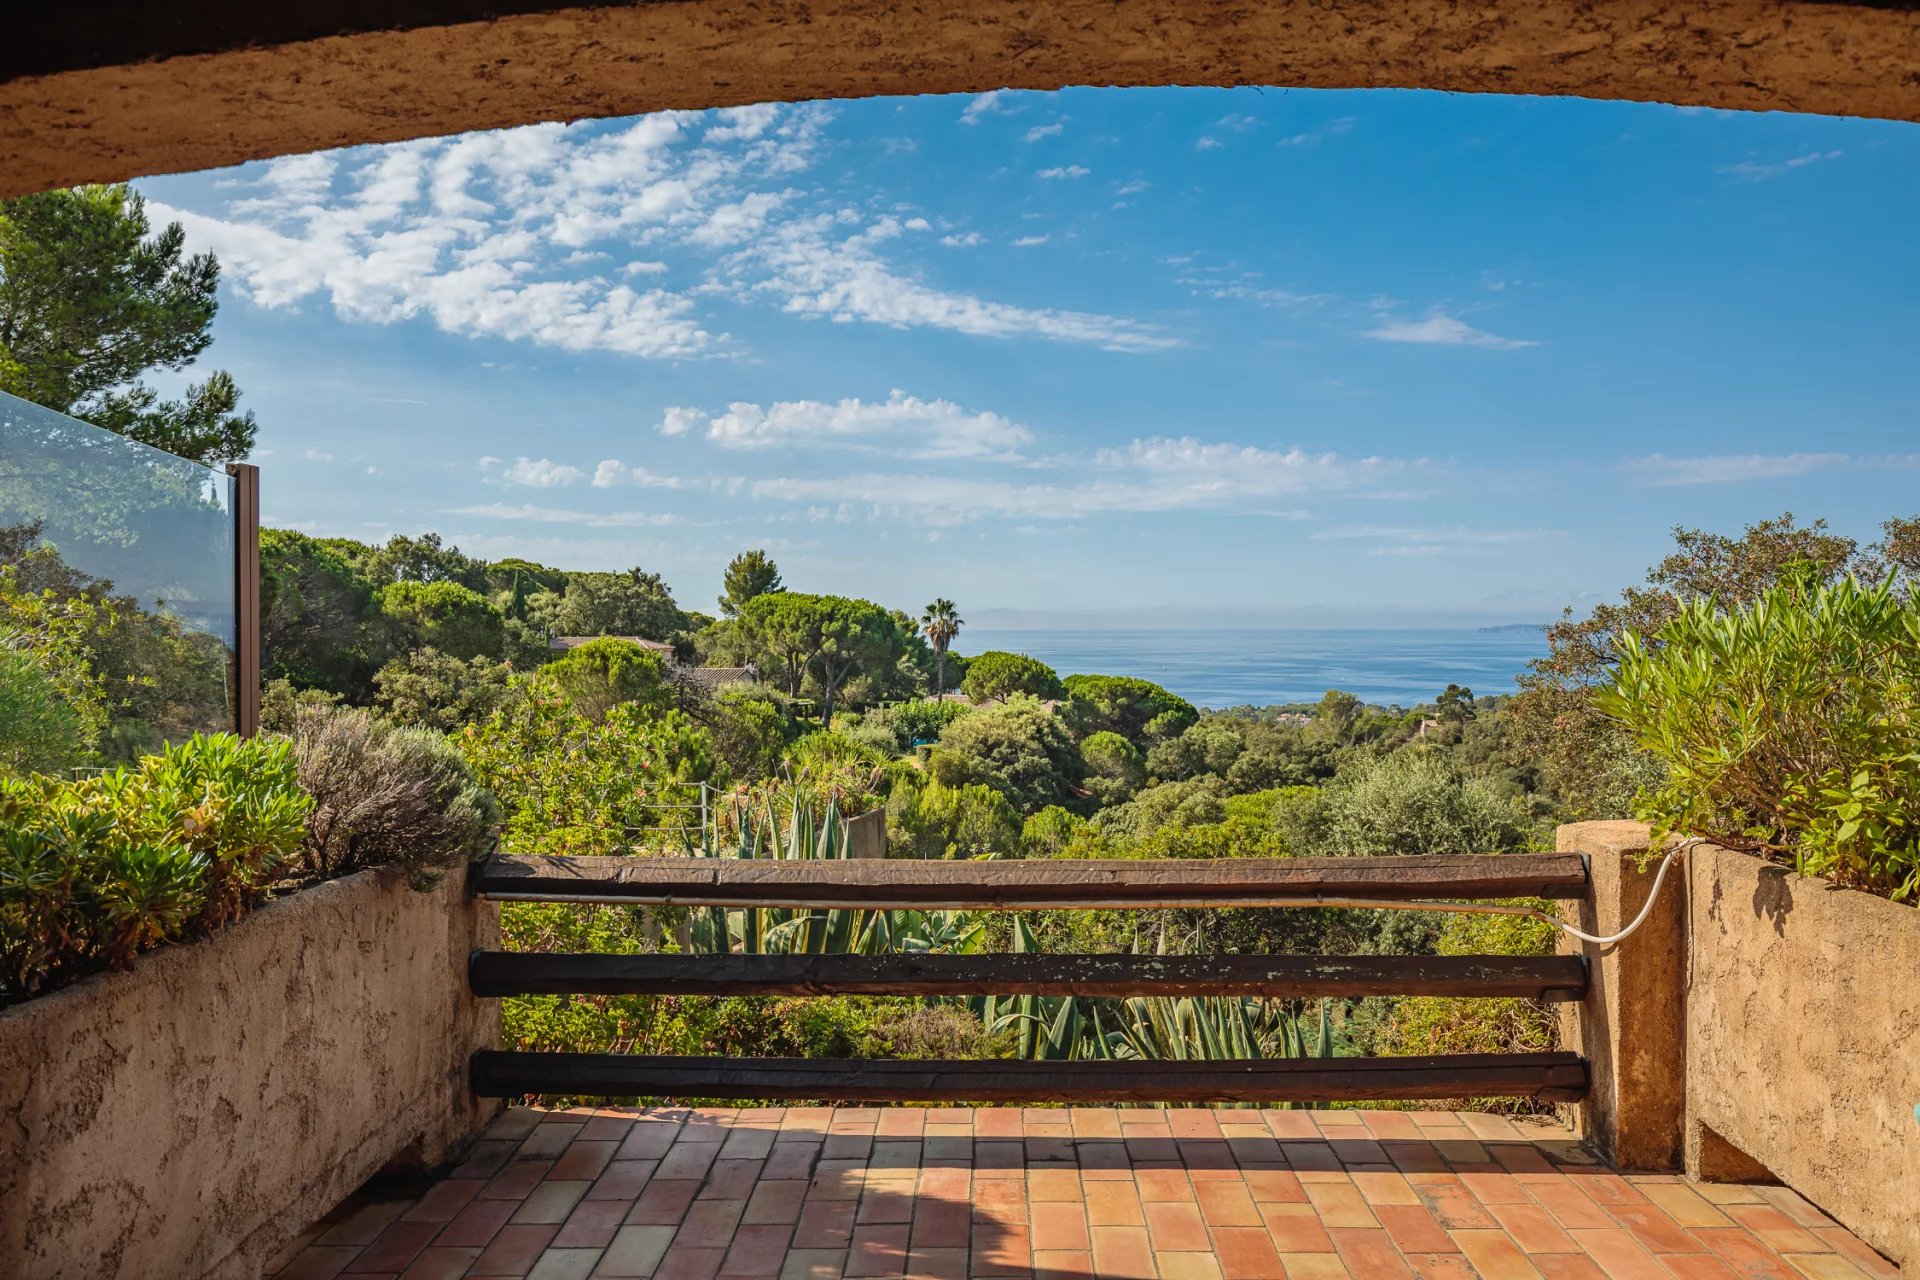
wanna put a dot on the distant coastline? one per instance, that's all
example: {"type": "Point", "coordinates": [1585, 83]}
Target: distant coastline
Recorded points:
{"type": "Point", "coordinates": [1513, 628]}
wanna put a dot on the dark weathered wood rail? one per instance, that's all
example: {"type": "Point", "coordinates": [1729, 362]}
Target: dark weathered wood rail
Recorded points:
{"type": "Point", "coordinates": [505, 973]}
{"type": "Point", "coordinates": [1029, 884]}
{"type": "Point", "coordinates": [1554, 1077]}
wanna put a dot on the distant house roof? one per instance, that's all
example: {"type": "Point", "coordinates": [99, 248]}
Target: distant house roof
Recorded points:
{"type": "Point", "coordinates": [560, 644]}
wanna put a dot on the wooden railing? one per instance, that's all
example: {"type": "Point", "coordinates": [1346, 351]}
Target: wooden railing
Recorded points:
{"type": "Point", "coordinates": [1036, 884]}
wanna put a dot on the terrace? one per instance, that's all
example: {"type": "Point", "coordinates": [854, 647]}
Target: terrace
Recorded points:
{"type": "Point", "coordinates": [1705, 1124]}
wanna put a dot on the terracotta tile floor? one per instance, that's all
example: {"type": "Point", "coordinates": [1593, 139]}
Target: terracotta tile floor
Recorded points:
{"type": "Point", "coordinates": [1180, 1194]}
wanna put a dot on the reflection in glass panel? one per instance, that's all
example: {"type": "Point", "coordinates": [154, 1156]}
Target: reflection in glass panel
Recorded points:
{"type": "Point", "coordinates": [120, 554]}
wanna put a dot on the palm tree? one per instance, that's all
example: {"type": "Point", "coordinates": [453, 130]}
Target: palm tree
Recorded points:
{"type": "Point", "coordinates": [942, 624]}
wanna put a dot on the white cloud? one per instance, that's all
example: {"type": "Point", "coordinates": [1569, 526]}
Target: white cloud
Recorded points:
{"type": "Point", "coordinates": [611, 471]}
{"type": "Point", "coordinates": [1133, 188]}
{"type": "Point", "coordinates": [815, 268]}
{"type": "Point", "coordinates": [1040, 131]}
{"type": "Point", "coordinates": [1761, 171]}
{"type": "Point", "coordinates": [966, 241]}
{"type": "Point", "coordinates": [1442, 330]}
{"type": "Point", "coordinates": [1147, 475]}
{"type": "Point", "coordinates": [989, 103]}
{"type": "Point", "coordinates": [1208, 143]}
{"type": "Point", "coordinates": [565, 515]}
{"type": "Point", "coordinates": [902, 423]}
{"type": "Point", "coordinates": [1336, 128]}
{"type": "Point", "coordinates": [1027, 242]}
{"type": "Point", "coordinates": [1063, 171]}
{"type": "Point", "coordinates": [539, 473]}
{"type": "Point", "coordinates": [561, 237]}
{"type": "Point", "coordinates": [316, 455]}
{"type": "Point", "coordinates": [1733, 468]}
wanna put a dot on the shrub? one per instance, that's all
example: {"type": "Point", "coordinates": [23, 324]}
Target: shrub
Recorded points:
{"type": "Point", "coordinates": [826, 767]}
{"type": "Point", "coordinates": [995, 676]}
{"type": "Point", "coordinates": [1113, 765]}
{"type": "Point", "coordinates": [94, 871]}
{"type": "Point", "coordinates": [751, 727]}
{"type": "Point", "coordinates": [1789, 726]}
{"type": "Point", "coordinates": [604, 673]}
{"type": "Point", "coordinates": [386, 796]}
{"type": "Point", "coordinates": [571, 785]}
{"type": "Point", "coordinates": [1019, 749]}
{"type": "Point", "coordinates": [439, 691]}
{"type": "Point", "coordinates": [909, 724]}
{"type": "Point", "coordinates": [933, 820]}
{"type": "Point", "coordinates": [1410, 802]}
{"type": "Point", "coordinates": [1050, 831]}
{"type": "Point", "coordinates": [1211, 746]}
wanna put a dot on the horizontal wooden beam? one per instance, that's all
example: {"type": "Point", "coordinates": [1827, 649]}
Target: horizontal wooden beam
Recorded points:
{"type": "Point", "coordinates": [1030, 883]}
{"type": "Point", "coordinates": [1553, 1077]}
{"type": "Point", "coordinates": [507, 973]}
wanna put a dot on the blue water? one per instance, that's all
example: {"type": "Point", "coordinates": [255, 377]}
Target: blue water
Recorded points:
{"type": "Point", "coordinates": [1224, 668]}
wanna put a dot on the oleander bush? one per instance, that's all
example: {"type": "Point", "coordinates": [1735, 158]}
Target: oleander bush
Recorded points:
{"type": "Point", "coordinates": [1787, 727]}
{"type": "Point", "coordinates": [94, 871]}
{"type": "Point", "coordinates": [387, 796]}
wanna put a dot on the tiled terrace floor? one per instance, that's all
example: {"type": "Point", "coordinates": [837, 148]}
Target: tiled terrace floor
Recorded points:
{"type": "Point", "coordinates": [1181, 1194]}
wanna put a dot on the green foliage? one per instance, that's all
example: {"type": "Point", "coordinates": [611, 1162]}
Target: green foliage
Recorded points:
{"type": "Point", "coordinates": [751, 726]}
{"type": "Point", "coordinates": [52, 704]}
{"type": "Point", "coordinates": [1790, 725]}
{"type": "Point", "coordinates": [1114, 767]}
{"type": "Point", "coordinates": [1019, 748]}
{"type": "Point", "coordinates": [387, 796]}
{"type": "Point", "coordinates": [1138, 710]}
{"type": "Point", "coordinates": [928, 819]}
{"type": "Point", "coordinates": [749, 574]}
{"type": "Point", "coordinates": [1212, 745]}
{"type": "Point", "coordinates": [94, 871]}
{"type": "Point", "coordinates": [40, 731]}
{"type": "Point", "coordinates": [820, 641]}
{"type": "Point", "coordinates": [568, 784]}
{"type": "Point", "coordinates": [320, 627]}
{"type": "Point", "coordinates": [1050, 832]}
{"type": "Point", "coordinates": [634, 603]}
{"type": "Point", "coordinates": [905, 725]}
{"type": "Point", "coordinates": [1410, 802]}
{"type": "Point", "coordinates": [439, 691]}
{"type": "Point", "coordinates": [995, 676]}
{"type": "Point", "coordinates": [940, 622]}
{"type": "Point", "coordinates": [90, 300]}
{"type": "Point", "coordinates": [825, 769]}
{"type": "Point", "coordinates": [446, 616]}
{"type": "Point", "coordinates": [605, 673]}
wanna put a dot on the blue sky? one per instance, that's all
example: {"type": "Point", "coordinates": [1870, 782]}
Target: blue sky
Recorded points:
{"type": "Point", "coordinates": [1093, 357]}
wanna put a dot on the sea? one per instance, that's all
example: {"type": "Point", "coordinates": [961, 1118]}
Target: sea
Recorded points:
{"type": "Point", "coordinates": [1228, 668]}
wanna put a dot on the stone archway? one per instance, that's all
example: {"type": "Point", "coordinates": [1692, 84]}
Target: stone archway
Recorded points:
{"type": "Point", "coordinates": [103, 91]}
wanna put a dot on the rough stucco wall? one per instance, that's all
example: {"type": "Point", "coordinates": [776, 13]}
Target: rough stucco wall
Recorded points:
{"type": "Point", "coordinates": [219, 109]}
{"type": "Point", "coordinates": [1803, 1043]}
{"type": "Point", "coordinates": [191, 1116]}
{"type": "Point", "coordinates": [1632, 1025]}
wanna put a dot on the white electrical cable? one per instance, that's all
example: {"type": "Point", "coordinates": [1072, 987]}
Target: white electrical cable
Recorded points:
{"type": "Point", "coordinates": [1652, 895]}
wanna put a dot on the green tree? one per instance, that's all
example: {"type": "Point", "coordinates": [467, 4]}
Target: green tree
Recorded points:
{"type": "Point", "coordinates": [1114, 767]}
{"type": "Point", "coordinates": [605, 673]}
{"type": "Point", "coordinates": [1455, 703]}
{"type": "Point", "coordinates": [996, 675]}
{"type": "Point", "coordinates": [940, 623]}
{"type": "Point", "coordinates": [827, 639]}
{"type": "Point", "coordinates": [749, 574]}
{"type": "Point", "coordinates": [439, 691]}
{"type": "Point", "coordinates": [1337, 717]}
{"type": "Point", "coordinates": [1138, 710]}
{"type": "Point", "coordinates": [320, 627]}
{"type": "Point", "coordinates": [90, 300]}
{"type": "Point", "coordinates": [1588, 762]}
{"type": "Point", "coordinates": [634, 603]}
{"type": "Point", "coordinates": [1020, 749]}
{"type": "Point", "coordinates": [451, 618]}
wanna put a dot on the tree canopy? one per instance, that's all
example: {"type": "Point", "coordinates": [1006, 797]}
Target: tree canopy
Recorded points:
{"type": "Point", "coordinates": [1138, 710]}
{"type": "Point", "coordinates": [996, 675]}
{"type": "Point", "coordinates": [829, 639]}
{"type": "Point", "coordinates": [749, 574]}
{"type": "Point", "coordinates": [91, 299]}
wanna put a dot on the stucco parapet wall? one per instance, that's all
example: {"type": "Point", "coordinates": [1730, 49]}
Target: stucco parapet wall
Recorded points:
{"type": "Point", "coordinates": [259, 86]}
{"type": "Point", "coordinates": [189, 1117]}
{"type": "Point", "coordinates": [1803, 1040]}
